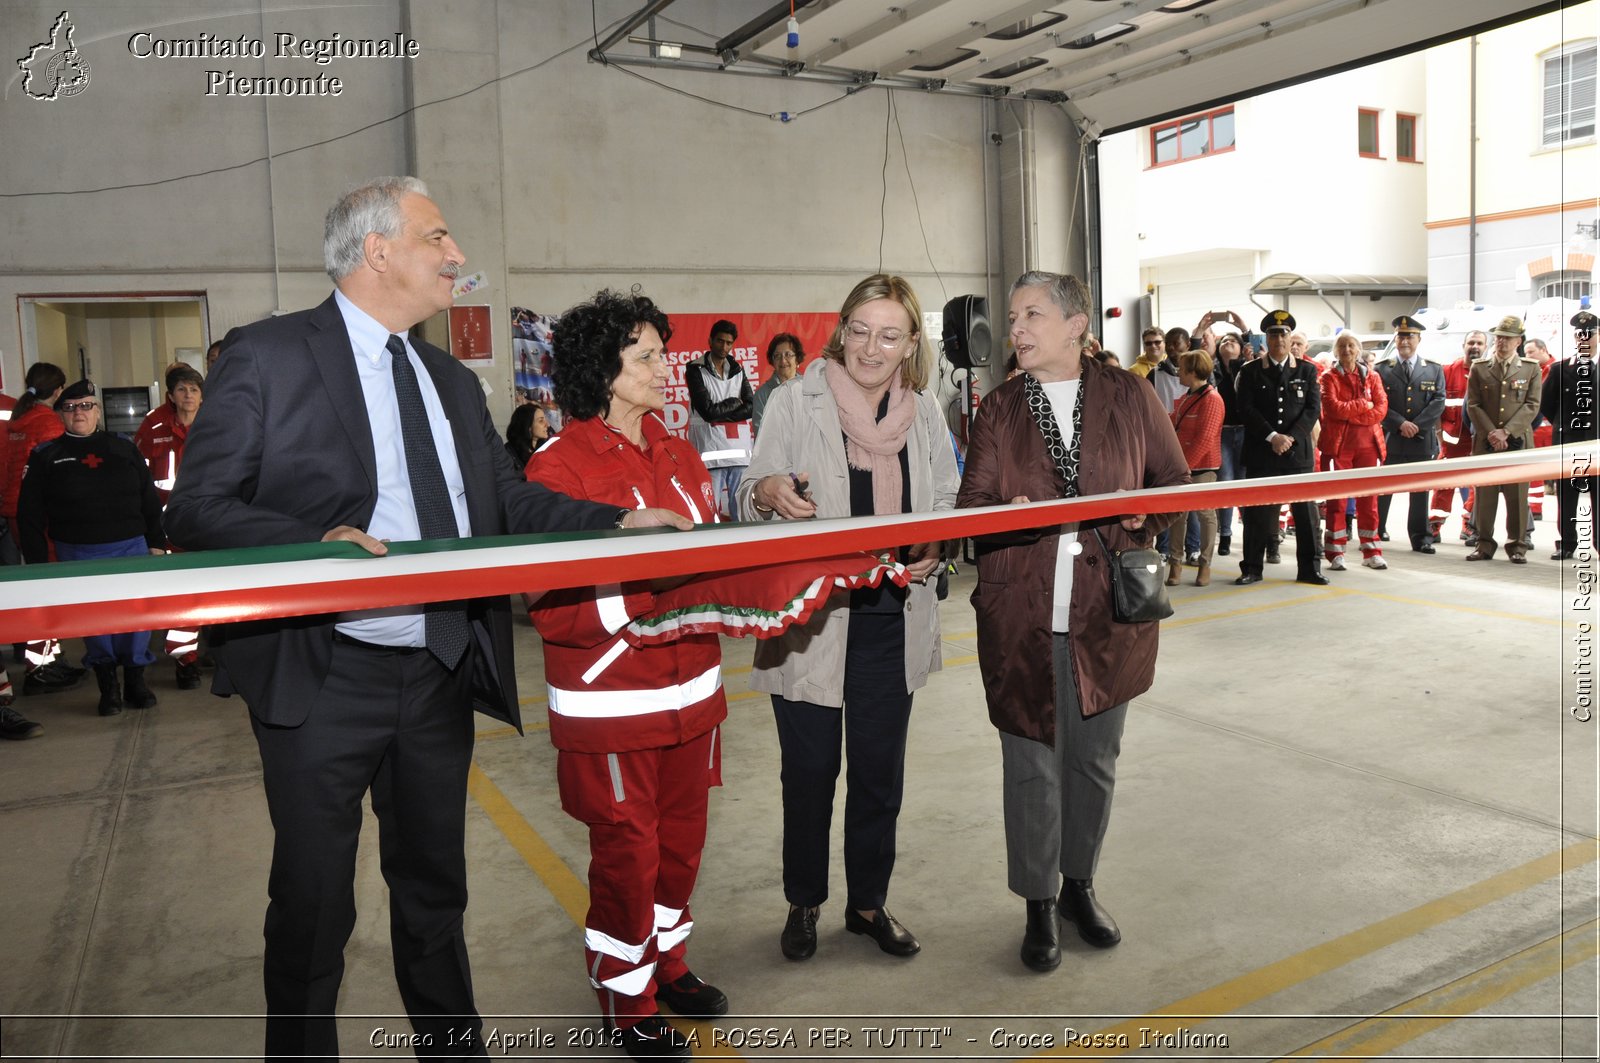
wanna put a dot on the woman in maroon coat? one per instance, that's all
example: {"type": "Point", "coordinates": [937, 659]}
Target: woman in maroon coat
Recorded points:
{"type": "Point", "coordinates": [1058, 670]}
{"type": "Point", "coordinates": [1353, 406]}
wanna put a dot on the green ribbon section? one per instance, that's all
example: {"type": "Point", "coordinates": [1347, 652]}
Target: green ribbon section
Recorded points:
{"type": "Point", "coordinates": [268, 555]}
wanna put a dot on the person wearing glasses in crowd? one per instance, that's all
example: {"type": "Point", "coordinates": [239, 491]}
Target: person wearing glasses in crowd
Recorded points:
{"type": "Point", "coordinates": [858, 436]}
{"type": "Point", "coordinates": [784, 354]}
{"type": "Point", "coordinates": [1058, 669]}
{"type": "Point", "coordinates": [1567, 399]}
{"type": "Point", "coordinates": [90, 493]}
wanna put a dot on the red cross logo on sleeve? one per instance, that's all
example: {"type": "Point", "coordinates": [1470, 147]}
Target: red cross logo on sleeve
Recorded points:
{"type": "Point", "coordinates": [94, 461]}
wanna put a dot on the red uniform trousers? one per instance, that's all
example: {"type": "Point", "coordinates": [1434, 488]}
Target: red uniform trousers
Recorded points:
{"type": "Point", "coordinates": [646, 813]}
{"type": "Point", "coordinates": [1360, 452]}
{"type": "Point", "coordinates": [1440, 505]}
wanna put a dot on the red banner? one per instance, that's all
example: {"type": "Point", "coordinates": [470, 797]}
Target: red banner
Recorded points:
{"type": "Point", "coordinates": [691, 335]}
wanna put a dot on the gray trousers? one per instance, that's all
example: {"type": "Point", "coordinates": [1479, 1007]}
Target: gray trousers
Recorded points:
{"type": "Point", "coordinates": [1058, 801]}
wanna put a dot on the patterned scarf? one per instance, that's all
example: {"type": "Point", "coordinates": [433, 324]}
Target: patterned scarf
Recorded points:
{"type": "Point", "coordinates": [1044, 415]}
{"type": "Point", "coordinates": [871, 444]}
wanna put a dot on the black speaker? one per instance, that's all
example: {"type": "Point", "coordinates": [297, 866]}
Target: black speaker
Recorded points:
{"type": "Point", "coordinates": [967, 341]}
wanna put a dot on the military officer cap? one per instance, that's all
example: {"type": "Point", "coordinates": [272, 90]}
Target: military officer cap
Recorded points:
{"type": "Point", "coordinates": [1584, 321]}
{"type": "Point", "coordinates": [1406, 323]}
{"type": "Point", "coordinates": [1510, 325]}
{"type": "Point", "coordinates": [83, 389]}
{"type": "Point", "coordinates": [1278, 321]}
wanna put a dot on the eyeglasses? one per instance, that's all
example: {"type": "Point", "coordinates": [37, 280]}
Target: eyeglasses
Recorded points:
{"type": "Point", "coordinates": [74, 407]}
{"type": "Point", "coordinates": [889, 339]}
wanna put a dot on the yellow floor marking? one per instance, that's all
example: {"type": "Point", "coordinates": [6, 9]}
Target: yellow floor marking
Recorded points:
{"type": "Point", "coordinates": [564, 886]}
{"type": "Point", "coordinates": [1237, 993]}
{"type": "Point", "coordinates": [1465, 996]}
{"type": "Point", "coordinates": [1323, 594]}
{"type": "Point", "coordinates": [1497, 614]}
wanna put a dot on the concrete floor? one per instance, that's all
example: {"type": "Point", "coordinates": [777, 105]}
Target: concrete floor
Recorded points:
{"type": "Point", "coordinates": [1351, 821]}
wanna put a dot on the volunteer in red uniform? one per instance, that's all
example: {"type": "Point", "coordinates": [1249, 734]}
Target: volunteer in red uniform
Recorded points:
{"type": "Point", "coordinates": [160, 439]}
{"type": "Point", "coordinates": [34, 422]}
{"type": "Point", "coordinates": [1455, 436]}
{"type": "Point", "coordinates": [637, 728]}
{"type": "Point", "coordinates": [1353, 407]}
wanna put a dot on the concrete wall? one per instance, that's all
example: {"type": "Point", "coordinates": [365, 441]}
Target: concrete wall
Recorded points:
{"type": "Point", "coordinates": [556, 179]}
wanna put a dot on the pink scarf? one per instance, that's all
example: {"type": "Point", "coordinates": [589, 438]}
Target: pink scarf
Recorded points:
{"type": "Point", "coordinates": [871, 444]}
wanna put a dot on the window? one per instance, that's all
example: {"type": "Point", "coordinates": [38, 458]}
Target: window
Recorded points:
{"type": "Point", "coordinates": [1568, 94]}
{"type": "Point", "coordinates": [1011, 70]}
{"type": "Point", "coordinates": [960, 55]}
{"type": "Point", "coordinates": [1405, 137]}
{"type": "Point", "coordinates": [1017, 31]}
{"type": "Point", "coordinates": [1367, 134]}
{"type": "Point", "coordinates": [1564, 284]}
{"type": "Point", "coordinates": [1191, 138]}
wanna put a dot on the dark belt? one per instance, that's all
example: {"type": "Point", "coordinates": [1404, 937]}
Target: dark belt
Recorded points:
{"type": "Point", "coordinates": [341, 637]}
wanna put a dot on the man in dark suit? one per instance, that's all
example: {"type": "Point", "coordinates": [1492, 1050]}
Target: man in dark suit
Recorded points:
{"type": "Point", "coordinates": [330, 424]}
{"type": "Point", "coordinates": [1410, 428]}
{"type": "Point", "coordinates": [1279, 402]}
{"type": "Point", "coordinates": [1568, 400]}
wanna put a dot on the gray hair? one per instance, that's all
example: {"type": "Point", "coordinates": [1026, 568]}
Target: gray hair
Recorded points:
{"type": "Point", "coordinates": [373, 207]}
{"type": "Point", "coordinates": [1065, 290]}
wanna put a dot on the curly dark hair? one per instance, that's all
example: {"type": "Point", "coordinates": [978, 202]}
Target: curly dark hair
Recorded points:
{"type": "Point", "coordinates": [588, 344]}
{"type": "Point", "coordinates": [792, 340]}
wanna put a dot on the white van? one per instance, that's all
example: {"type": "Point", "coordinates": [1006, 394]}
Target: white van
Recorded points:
{"type": "Point", "coordinates": [1446, 328]}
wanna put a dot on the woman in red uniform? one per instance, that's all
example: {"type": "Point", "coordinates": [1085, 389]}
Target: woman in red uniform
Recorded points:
{"type": "Point", "coordinates": [160, 439]}
{"type": "Point", "coordinates": [636, 727]}
{"type": "Point", "coordinates": [1353, 405]}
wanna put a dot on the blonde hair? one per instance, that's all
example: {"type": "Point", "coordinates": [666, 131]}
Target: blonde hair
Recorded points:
{"type": "Point", "coordinates": [1196, 362]}
{"type": "Point", "coordinates": [917, 368]}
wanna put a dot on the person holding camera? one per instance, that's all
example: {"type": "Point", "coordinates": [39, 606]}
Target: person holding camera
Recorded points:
{"type": "Point", "coordinates": [1502, 399]}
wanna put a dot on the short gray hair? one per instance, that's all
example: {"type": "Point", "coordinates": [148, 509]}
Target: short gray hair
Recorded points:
{"type": "Point", "coordinates": [1065, 290]}
{"type": "Point", "coordinates": [373, 207]}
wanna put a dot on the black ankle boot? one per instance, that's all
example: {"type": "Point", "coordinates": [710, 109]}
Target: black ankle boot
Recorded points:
{"type": "Point", "coordinates": [1094, 923]}
{"type": "Point", "coordinates": [134, 693]}
{"type": "Point", "coordinates": [110, 694]}
{"type": "Point", "coordinates": [1041, 942]}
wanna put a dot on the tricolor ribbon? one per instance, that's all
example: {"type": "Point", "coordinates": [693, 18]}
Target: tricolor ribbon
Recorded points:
{"type": "Point", "coordinates": [72, 599]}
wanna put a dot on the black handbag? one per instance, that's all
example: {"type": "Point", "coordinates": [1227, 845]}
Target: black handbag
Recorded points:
{"type": "Point", "coordinates": [1138, 590]}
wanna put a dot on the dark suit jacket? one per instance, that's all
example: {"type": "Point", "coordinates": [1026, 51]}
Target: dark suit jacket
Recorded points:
{"type": "Point", "coordinates": [1572, 407]}
{"type": "Point", "coordinates": [1421, 402]}
{"type": "Point", "coordinates": [1288, 403]}
{"type": "Point", "coordinates": [282, 452]}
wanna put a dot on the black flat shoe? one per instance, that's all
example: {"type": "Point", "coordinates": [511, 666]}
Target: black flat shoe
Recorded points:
{"type": "Point", "coordinates": [692, 998]}
{"type": "Point", "coordinates": [885, 929]}
{"type": "Point", "coordinates": [1041, 941]}
{"type": "Point", "coordinates": [1316, 579]}
{"type": "Point", "coordinates": [1274, 558]}
{"type": "Point", "coordinates": [1079, 907]}
{"type": "Point", "coordinates": [1561, 555]}
{"type": "Point", "coordinates": [799, 937]}
{"type": "Point", "coordinates": [1425, 548]}
{"type": "Point", "coordinates": [652, 1038]}
{"type": "Point", "coordinates": [1223, 544]}
{"type": "Point", "coordinates": [1246, 578]}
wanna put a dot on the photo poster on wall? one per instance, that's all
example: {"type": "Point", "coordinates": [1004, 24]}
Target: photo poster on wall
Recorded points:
{"type": "Point", "coordinates": [691, 335]}
{"type": "Point", "coordinates": [472, 334]}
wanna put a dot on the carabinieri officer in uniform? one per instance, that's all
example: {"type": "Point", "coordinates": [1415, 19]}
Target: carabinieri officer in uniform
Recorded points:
{"type": "Point", "coordinates": [1410, 428]}
{"type": "Point", "coordinates": [1279, 403]}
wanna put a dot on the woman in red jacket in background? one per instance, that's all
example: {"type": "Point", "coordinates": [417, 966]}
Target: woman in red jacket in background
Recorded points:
{"type": "Point", "coordinates": [636, 727]}
{"type": "Point", "coordinates": [1353, 405]}
{"type": "Point", "coordinates": [1197, 415]}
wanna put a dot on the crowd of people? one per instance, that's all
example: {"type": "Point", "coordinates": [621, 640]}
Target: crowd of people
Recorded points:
{"type": "Point", "coordinates": [377, 436]}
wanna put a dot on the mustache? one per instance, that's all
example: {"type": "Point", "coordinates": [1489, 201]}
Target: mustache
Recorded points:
{"type": "Point", "coordinates": [451, 270]}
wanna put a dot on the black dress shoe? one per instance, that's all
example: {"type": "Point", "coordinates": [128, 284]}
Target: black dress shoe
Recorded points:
{"type": "Point", "coordinates": [1383, 536]}
{"type": "Point", "coordinates": [653, 1038]}
{"type": "Point", "coordinates": [1423, 546]}
{"type": "Point", "coordinates": [1094, 923]}
{"type": "Point", "coordinates": [799, 938]}
{"type": "Point", "coordinates": [1223, 544]}
{"type": "Point", "coordinates": [1316, 579]}
{"type": "Point", "coordinates": [1274, 558]}
{"type": "Point", "coordinates": [1041, 942]}
{"type": "Point", "coordinates": [1246, 578]}
{"type": "Point", "coordinates": [692, 998]}
{"type": "Point", "coordinates": [1561, 555]}
{"type": "Point", "coordinates": [885, 929]}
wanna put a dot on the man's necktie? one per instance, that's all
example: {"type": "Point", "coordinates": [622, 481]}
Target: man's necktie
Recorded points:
{"type": "Point", "coordinates": [446, 622]}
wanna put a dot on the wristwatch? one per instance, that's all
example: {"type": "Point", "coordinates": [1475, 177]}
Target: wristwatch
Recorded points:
{"type": "Point", "coordinates": [622, 515]}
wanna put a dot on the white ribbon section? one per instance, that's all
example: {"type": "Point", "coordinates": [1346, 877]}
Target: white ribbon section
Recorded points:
{"type": "Point", "coordinates": [611, 704]}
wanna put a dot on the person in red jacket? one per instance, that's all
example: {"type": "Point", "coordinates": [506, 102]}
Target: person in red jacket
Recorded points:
{"type": "Point", "coordinates": [1353, 406]}
{"type": "Point", "coordinates": [160, 439]}
{"type": "Point", "coordinates": [636, 727]}
{"type": "Point", "coordinates": [1197, 415]}
{"type": "Point", "coordinates": [1455, 436]}
{"type": "Point", "coordinates": [34, 422]}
